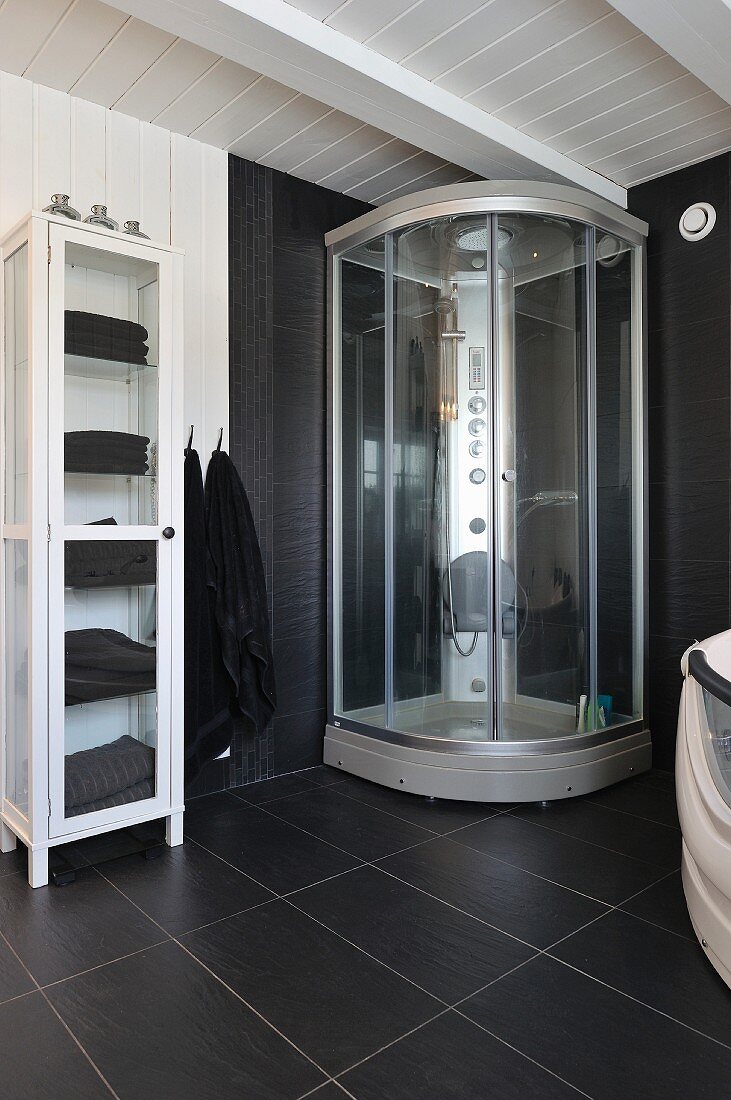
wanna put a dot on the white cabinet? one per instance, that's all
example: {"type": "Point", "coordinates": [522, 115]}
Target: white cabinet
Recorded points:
{"type": "Point", "coordinates": [92, 566]}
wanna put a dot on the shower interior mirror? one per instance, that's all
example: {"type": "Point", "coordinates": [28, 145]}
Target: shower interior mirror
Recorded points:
{"type": "Point", "coordinates": [487, 522]}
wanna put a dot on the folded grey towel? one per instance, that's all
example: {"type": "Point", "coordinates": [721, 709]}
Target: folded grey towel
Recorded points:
{"type": "Point", "coordinates": [107, 770]}
{"type": "Point", "coordinates": [136, 793]}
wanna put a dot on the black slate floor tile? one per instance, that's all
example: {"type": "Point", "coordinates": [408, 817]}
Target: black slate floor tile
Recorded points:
{"type": "Point", "coordinates": [58, 931]}
{"type": "Point", "coordinates": [452, 1059]}
{"type": "Point", "coordinates": [353, 826]}
{"type": "Point", "coordinates": [11, 863]}
{"type": "Point", "coordinates": [158, 1024]}
{"type": "Point", "coordinates": [440, 816]}
{"type": "Point", "coordinates": [207, 807]}
{"type": "Point", "coordinates": [607, 876]}
{"type": "Point", "coordinates": [664, 904]}
{"type": "Point", "coordinates": [324, 775]}
{"type": "Point", "coordinates": [272, 852]}
{"type": "Point", "coordinates": [664, 971]}
{"type": "Point", "coordinates": [516, 902]}
{"type": "Point", "coordinates": [602, 1042]}
{"type": "Point", "coordinates": [645, 840]}
{"type": "Point", "coordinates": [40, 1059]}
{"type": "Point", "coordinates": [645, 800]}
{"type": "Point", "coordinates": [184, 887]}
{"type": "Point", "coordinates": [14, 978]}
{"type": "Point", "coordinates": [337, 1004]}
{"type": "Point", "coordinates": [268, 789]}
{"type": "Point", "coordinates": [445, 952]}
{"type": "Point", "coordinates": [330, 1091]}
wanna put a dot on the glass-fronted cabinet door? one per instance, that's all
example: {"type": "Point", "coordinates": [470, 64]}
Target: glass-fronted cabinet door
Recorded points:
{"type": "Point", "coordinates": [111, 540]}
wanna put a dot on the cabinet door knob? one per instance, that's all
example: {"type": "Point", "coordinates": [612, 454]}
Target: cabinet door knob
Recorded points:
{"type": "Point", "coordinates": [509, 475]}
{"type": "Point", "coordinates": [168, 532]}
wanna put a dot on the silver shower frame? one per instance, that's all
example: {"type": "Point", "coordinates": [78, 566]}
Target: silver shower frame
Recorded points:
{"type": "Point", "coordinates": [496, 771]}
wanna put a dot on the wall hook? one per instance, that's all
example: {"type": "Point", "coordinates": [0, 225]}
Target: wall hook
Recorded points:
{"type": "Point", "coordinates": [190, 438]}
{"type": "Point", "coordinates": [220, 439]}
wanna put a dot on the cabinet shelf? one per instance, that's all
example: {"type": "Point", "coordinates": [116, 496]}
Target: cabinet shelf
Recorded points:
{"type": "Point", "coordinates": [111, 473]}
{"type": "Point", "coordinates": [114, 370]}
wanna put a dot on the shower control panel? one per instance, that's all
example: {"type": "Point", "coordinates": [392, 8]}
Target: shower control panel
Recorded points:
{"type": "Point", "coordinates": [477, 368]}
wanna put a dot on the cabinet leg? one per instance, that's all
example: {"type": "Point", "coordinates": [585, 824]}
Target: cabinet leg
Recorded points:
{"type": "Point", "coordinates": [38, 867]}
{"type": "Point", "coordinates": [8, 839]}
{"type": "Point", "coordinates": [174, 830]}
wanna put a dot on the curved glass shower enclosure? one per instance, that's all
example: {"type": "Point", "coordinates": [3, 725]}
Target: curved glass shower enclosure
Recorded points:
{"type": "Point", "coordinates": [487, 548]}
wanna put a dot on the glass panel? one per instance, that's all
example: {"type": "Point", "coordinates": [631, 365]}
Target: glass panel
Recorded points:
{"type": "Point", "coordinates": [111, 629]}
{"type": "Point", "coordinates": [543, 504]}
{"type": "Point", "coordinates": [618, 683]}
{"type": "Point", "coordinates": [362, 615]}
{"type": "Point", "coordinates": [441, 517]}
{"type": "Point", "coordinates": [717, 743]}
{"type": "Point", "coordinates": [111, 387]}
{"type": "Point", "coordinates": [16, 673]}
{"type": "Point", "coordinates": [16, 386]}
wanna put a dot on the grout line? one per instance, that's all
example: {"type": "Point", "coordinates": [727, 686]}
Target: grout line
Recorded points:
{"type": "Point", "coordinates": [386, 1046]}
{"type": "Point", "coordinates": [256, 1012]}
{"type": "Point", "coordinates": [101, 965]}
{"type": "Point", "coordinates": [60, 1018]}
{"type": "Point", "coordinates": [368, 955]}
{"type": "Point", "coordinates": [603, 847]}
{"type": "Point", "coordinates": [18, 997]}
{"type": "Point", "coordinates": [524, 1055]}
{"type": "Point", "coordinates": [636, 1000]}
{"type": "Point", "coordinates": [628, 813]}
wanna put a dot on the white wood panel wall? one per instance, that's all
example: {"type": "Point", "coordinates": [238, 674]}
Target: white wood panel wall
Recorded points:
{"type": "Point", "coordinates": [175, 186]}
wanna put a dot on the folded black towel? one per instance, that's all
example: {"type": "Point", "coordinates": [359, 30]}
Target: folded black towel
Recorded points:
{"type": "Point", "coordinates": [82, 466]}
{"type": "Point", "coordinates": [102, 349]}
{"type": "Point", "coordinates": [117, 441]}
{"type": "Point", "coordinates": [105, 771]}
{"type": "Point", "coordinates": [76, 321]}
{"type": "Point", "coordinates": [105, 664]}
{"type": "Point", "coordinates": [109, 564]}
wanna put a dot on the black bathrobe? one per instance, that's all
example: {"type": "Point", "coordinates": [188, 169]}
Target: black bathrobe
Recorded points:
{"type": "Point", "coordinates": [241, 598]}
{"type": "Point", "coordinates": [208, 693]}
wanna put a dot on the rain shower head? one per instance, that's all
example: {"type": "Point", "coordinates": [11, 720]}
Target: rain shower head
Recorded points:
{"type": "Point", "coordinates": [476, 237]}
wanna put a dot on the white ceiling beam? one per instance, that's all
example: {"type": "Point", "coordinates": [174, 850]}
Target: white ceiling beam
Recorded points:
{"type": "Point", "coordinates": [291, 47]}
{"type": "Point", "coordinates": [697, 33]}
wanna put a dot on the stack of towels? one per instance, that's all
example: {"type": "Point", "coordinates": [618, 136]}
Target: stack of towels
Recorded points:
{"type": "Point", "coordinates": [105, 453]}
{"type": "Point", "coordinates": [105, 337]}
{"type": "Point", "coordinates": [105, 664]}
{"type": "Point", "coordinates": [109, 775]}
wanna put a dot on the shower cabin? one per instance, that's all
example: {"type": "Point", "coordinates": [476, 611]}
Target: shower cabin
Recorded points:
{"type": "Point", "coordinates": [487, 584]}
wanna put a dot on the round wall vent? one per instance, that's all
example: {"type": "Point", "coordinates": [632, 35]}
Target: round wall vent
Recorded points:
{"type": "Point", "coordinates": [697, 221]}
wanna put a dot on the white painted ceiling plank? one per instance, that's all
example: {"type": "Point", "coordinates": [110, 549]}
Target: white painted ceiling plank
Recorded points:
{"type": "Point", "coordinates": [585, 47]}
{"type": "Point", "coordinates": [649, 129]}
{"type": "Point", "coordinates": [681, 135]}
{"type": "Point", "coordinates": [222, 83]}
{"type": "Point", "coordinates": [341, 153]}
{"type": "Point", "coordinates": [635, 110]}
{"type": "Point", "coordinates": [421, 25]}
{"type": "Point", "coordinates": [21, 37]}
{"type": "Point", "coordinates": [441, 177]}
{"type": "Point", "coordinates": [610, 96]}
{"type": "Point", "coordinates": [311, 141]}
{"type": "Point", "coordinates": [290, 119]}
{"type": "Point", "coordinates": [535, 108]}
{"type": "Point", "coordinates": [697, 34]}
{"type": "Point", "coordinates": [129, 54]}
{"type": "Point", "coordinates": [320, 62]}
{"type": "Point", "coordinates": [396, 176]}
{"type": "Point", "coordinates": [74, 44]}
{"type": "Point", "coordinates": [364, 168]}
{"type": "Point", "coordinates": [699, 150]}
{"type": "Point", "coordinates": [488, 27]}
{"type": "Point", "coordinates": [360, 19]}
{"type": "Point", "coordinates": [161, 84]}
{"type": "Point", "coordinates": [254, 105]}
{"type": "Point", "coordinates": [548, 29]}
{"type": "Point", "coordinates": [318, 9]}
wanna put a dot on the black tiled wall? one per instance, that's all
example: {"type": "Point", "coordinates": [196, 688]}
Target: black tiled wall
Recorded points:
{"type": "Point", "coordinates": [277, 309]}
{"type": "Point", "coordinates": [689, 375]}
